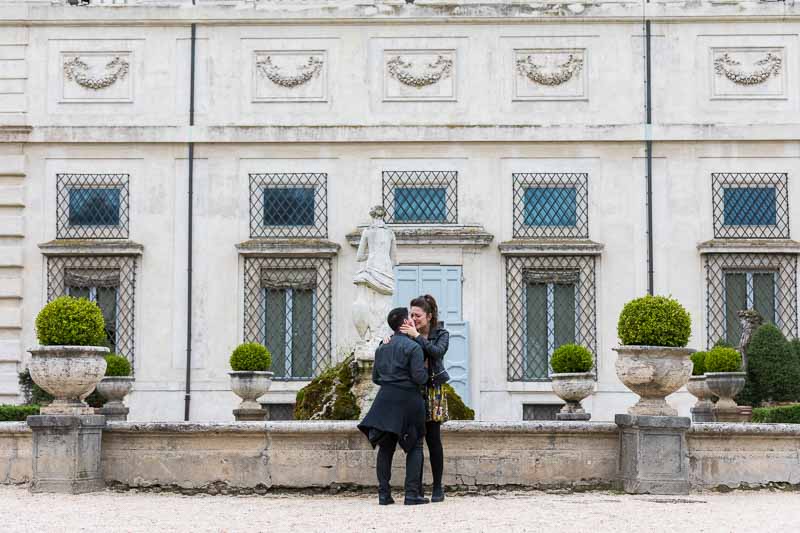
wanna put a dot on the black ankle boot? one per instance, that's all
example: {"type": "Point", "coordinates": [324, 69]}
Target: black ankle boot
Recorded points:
{"type": "Point", "coordinates": [437, 495]}
{"type": "Point", "coordinates": [415, 500]}
{"type": "Point", "coordinates": [385, 499]}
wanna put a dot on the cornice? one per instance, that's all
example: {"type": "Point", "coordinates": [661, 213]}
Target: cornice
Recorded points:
{"type": "Point", "coordinates": [91, 247]}
{"type": "Point", "coordinates": [518, 247]}
{"type": "Point", "coordinates": [288, 247]}
{"type": "Point", "coordinates": [749, 246]}
{"type": "Point", "coordinates": [431, 235]}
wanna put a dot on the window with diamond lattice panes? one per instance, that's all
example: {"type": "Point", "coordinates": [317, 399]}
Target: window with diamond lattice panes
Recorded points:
{"type": "Point", "coordinates": [550, 205]}
{"type": "Point", "coordinates": [750, 205]}
{"type": "Point", "coordinates": [289, 205]}
{"type": "Point", "coordinates": [92, 206]}
{"type": "Point", "coordinates": [420, 197]}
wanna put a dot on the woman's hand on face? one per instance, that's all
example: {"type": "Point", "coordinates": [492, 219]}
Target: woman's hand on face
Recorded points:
{"type": "Point", "coordinates": [409, 329]}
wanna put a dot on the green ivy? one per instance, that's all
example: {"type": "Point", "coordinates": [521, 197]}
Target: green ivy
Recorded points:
{"type": "Point", "coordinates": [251, 357]}
{"type": "Point", "coordinates": [569, 358]}
{"type": "Point", "coordinates": [654, 321]}
{"type": "Point", "coordinates": [723, 360]}
{"type": "Point", "coordinates": [71, 321]}
{"type": "Point", "coordinates": [117, 365]}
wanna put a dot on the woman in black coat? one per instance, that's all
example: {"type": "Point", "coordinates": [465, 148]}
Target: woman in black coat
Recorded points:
{"type": "Point", "coordinates": [434, 340]}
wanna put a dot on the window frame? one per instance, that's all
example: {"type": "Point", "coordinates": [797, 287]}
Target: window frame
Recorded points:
{"type": "Point", "coordinates": [259, 182]}
{"type": "Point", "coordinates": [522, 181]}
{"type": "Point", "coordinates": [392, 180]}
{"type": "Point", "coordinates": [720, 181]}
{"type": "Point", "coordinates": [67, 182]}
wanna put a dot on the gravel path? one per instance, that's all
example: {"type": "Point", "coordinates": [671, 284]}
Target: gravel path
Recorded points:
{"type": "Point", "coordinates": [502, 512]}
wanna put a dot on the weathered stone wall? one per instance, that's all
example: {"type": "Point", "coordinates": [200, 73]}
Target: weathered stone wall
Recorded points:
{"type": "Point", "coordinates": [256, 457]}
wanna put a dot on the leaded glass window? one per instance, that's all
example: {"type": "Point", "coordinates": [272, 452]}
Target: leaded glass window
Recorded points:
{"type": "Point", "coordinates": [750, 205]}
{"type": "Point", "coordinates": [289, 205]}
{"type": "Point", "coordinates": [92, 206]}
{"type": "Point", "coordinates": [551, 205]}
{"type": "Point", "coordinates": [420, 197]}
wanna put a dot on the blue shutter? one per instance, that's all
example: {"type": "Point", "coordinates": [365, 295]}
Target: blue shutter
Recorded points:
{"type": "Point", "coordinates": [456, 361]}
{"type": "Point", "coordinates": [406, 285]}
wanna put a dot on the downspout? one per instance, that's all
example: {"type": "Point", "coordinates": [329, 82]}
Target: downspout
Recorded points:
{"type": "Point", "coordinates": [188, 395]}
{"type": "Point", "coordinates": [648, 150]}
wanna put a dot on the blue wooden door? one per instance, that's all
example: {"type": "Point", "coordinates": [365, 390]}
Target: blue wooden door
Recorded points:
{"type": "Point", "coordinates": [444, 284]}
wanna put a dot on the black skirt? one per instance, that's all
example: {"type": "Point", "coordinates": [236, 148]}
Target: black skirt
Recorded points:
{"type": "Point", "coordinates": [396, 410]}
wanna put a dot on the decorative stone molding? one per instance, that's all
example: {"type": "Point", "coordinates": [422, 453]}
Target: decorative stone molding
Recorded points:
{"type": "Point", "coordinates": [739, 246]}
{"type": "Point", "coordinates": [770, 65]}
{"type": "Point", "coordinates": [412, 74]}
{"type": "Point", "coordinates": [77, 70]}
{"type": "Point", "coordinates": [302, 74]}
{"type": "Point", "coordinates": [550, 247]}
{"type": "Point", "coordinates": [538, 73]}
{"type": "Point", "coordinates": [71, 247]}
{"type": "Point", "coordinates": [464, 236]}
{"type": "Point", "coordinates": [288, 247]}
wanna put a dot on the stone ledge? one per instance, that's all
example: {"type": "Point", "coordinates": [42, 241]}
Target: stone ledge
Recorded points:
{"type": "Point", "coordinates": [550, 247]}
{"type": "Point", "coordinates": [737, 428]}
{"type": "Point", "coordinates": [431, 235]}
{"type": "Point", "coordinates": [749, 246]}
{"type": "Point", "coordinates": [288, 247]}
{"type": "Point", "coordinates": [91, 247]}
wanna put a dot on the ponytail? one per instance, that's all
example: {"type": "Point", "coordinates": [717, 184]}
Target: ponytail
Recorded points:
{"type": "Point", "coordinates": [427, 303]}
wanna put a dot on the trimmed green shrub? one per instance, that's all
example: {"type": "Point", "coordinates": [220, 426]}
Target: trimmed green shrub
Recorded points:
{"type": "Point", "coordinates": [251, 357]}
{"type": "Point", "coordinates": [773, 368]}
{"type": "Point", "coordinates": [71, 321]}
{"type": "Point", "coordinates": [17, 413]}
{"type": "Point", "coordinates": [117, 365]}
{"type": "Point", "coordinates": [723, 360]}
{"type": "Point", "coordinates": [569, 358]}
{"type": "Point", "coordinates": [336, 383]}
{"type": "Point", "coordinates": [722, 343]}
{"type": "Point", "coordinates": [699, 363]}
{"type": "Point", "coordinates": [654, 321]}
{"type": "Point", "coordinates": [32, 392]}
{"type": "Point", "coordinates": [787, 414]}
{"type": "Point", "coordinates": [456, 407]}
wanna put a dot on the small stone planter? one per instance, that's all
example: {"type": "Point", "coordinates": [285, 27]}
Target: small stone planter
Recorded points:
{"type": "Point", "coordinates": [70, 374]}
{"type": "Point", "coordinates": [703, 408]}
{"type": "Point", "coordinates": [249, 386]}
{"type": "Point", "coordinates": [573, 388]}
{"type": "Point", "coordinates": [726, 385]}
{"type": "Point", "coordinates": [653, 372]}
{"type": "Point", "coordinates": [114, 389]}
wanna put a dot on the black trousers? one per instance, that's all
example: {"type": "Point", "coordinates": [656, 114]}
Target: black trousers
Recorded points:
{"type": "Point", "coordinates": [386, 449]}
{"type": "Point", "coordinates": [433, 437]}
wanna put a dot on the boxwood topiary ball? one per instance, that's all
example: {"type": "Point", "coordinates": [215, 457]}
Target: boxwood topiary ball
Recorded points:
{"type": "Point", "coordinates": [251, 357]}
{"type": "Point", "coordinates": [117, 365]}
{"type": "Point", "coordinates": [723, 360]}
{"type": "Point", "coordinates": [699, 363]}
{"type": "Point", "coordinates": [654, 321]}
{"type": "Point", "coordinates": [72, 322]}
{"type": "Point", "coordinates": [570, 358]}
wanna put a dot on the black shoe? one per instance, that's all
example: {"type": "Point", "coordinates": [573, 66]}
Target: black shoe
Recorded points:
{"type": "Point", "coordinates": [415, 500]}
{"type": "Point", "coordinates": [437, 495]}
{"type": "Point", "coordinates": [385, 500]}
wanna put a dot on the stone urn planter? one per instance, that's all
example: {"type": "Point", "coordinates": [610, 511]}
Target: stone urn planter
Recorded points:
{"type": "Point", "coordinates": [653, 372]}
{"type": "Point", "coordinates": [250, 386]}
{"type": "Point", "coordinates": [70, 374]}
{"type": "Point", "coordinates": [726, 385]}
{"type": "Point", "coordinates": [114, 389]}
{"type": "Point", "coordinates": [573, 387]}
{"type": "Point", "coordinates": [250, 379]}
{"type": "Point", "coordinates": [703, 408]}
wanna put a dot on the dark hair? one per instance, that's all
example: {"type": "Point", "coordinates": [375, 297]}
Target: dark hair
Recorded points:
{"type": "Point", "coordinates": [427, 303]}
{"type": "Point", "coordinates": [396, 317]}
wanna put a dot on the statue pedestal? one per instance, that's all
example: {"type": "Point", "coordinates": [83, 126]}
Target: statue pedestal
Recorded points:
{"type": "Point", "coordinates": [364, 389]}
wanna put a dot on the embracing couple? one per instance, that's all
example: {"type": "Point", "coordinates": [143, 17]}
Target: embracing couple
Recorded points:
{"type": "Point", "coordinates": [411, 404]}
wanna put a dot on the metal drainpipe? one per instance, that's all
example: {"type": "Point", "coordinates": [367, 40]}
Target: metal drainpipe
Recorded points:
{"type": "Point", "coordinates": [188, 396]}
{"type": "Point", "coordinates": [648, 148]}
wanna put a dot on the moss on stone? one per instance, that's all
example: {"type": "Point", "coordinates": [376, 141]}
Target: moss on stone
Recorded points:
{"type": "Point", "coordinates": [329, 396]}
{"type": "Point", "coordinates": [455, 405]}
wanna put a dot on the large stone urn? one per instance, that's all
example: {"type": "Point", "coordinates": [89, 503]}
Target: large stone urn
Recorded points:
{"type": "Point", "coordinates": [653, 372]}
{"type": "Point", "coordinates": [114, 389]}
{"type": "Point", "coordinates": [573, 388]}
{"type": "Point", "coordinates": [726, 385]}
{"type": "Point", "coordinates": [703, 408]}
{"type": "Point", "coordinates": [70, 374]}
{"type": "Point", "coordinates": [250, 386]}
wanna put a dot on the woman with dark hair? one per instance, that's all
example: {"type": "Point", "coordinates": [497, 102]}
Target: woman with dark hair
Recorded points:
{"type": "Point", "coordinates": [428, 332]}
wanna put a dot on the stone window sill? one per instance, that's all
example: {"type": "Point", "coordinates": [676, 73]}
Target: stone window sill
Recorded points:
{"type": "Point", "coordinates": [433, 235]}
{"type": "Point", "coordinates": [91, 247]}
{"type": "Point", "coordinates": [550, 247]}
{"type": "Point", "coordinates": [288, 247]}
{"type": "Point", "coordinates": [737, 246]}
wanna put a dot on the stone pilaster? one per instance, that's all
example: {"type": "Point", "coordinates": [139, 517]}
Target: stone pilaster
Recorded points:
{"type": "Point", "coordinates": [653, 455]}
{"type": "Point", "coordinates": [66, 453]}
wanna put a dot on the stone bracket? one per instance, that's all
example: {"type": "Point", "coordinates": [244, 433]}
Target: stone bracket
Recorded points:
{"type": "Point", "coordinates": [653, 454]}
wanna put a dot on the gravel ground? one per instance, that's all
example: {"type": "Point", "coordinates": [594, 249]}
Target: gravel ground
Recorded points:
{"type": "Point", "coordinates": [760, 511]}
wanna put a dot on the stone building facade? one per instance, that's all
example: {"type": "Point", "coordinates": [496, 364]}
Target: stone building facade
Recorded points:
{"type": "Point", "coordinates": [509, 142]}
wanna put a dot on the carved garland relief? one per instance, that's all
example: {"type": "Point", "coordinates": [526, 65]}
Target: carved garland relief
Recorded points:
{"type": "Point", "coordinates": [290, 76]}
{"type": "Point", "coordinates": [419, 74]}
{"type": "Point", "coordinates": [542, 75]}
{"type": "Point", "coordinates": [77, 70]}
{"type": "Point", "coordinates": [290, 79]}
{"type": "Point", "coordinates": [768, 66]}
{"type": "Point", "coordinates": [549, 74]}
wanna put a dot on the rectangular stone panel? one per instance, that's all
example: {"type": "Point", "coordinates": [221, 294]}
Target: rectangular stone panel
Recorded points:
{"type": "Point", "coordinates": [419, 75]}
{"type": "Point", "coordinates": [290, 75]}
{"type": "Point", "coordinates": [550, 74]}
{"type": "Point", "coordinates": [661, 455]}
{"type": "Point", "coordinates": [748, 73]}
{"type": "Point", "coordinates": [89, 76]}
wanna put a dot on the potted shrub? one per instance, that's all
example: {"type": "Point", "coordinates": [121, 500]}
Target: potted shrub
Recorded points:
{"type": "Point", "coordinates": [116, 384]}
{"type": "Point", "coordinates": [572, 379]}
{"type": "Point", "coordinates": [726, 380]}
{"type": "Point", "coordinates": [653, 360]}
{"type": "Point", "coordinates": [697, 387]}
{"type": "Point", "coordinates": [250, 378]}
{"type": "Point", "coordinates": [70, 359]}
